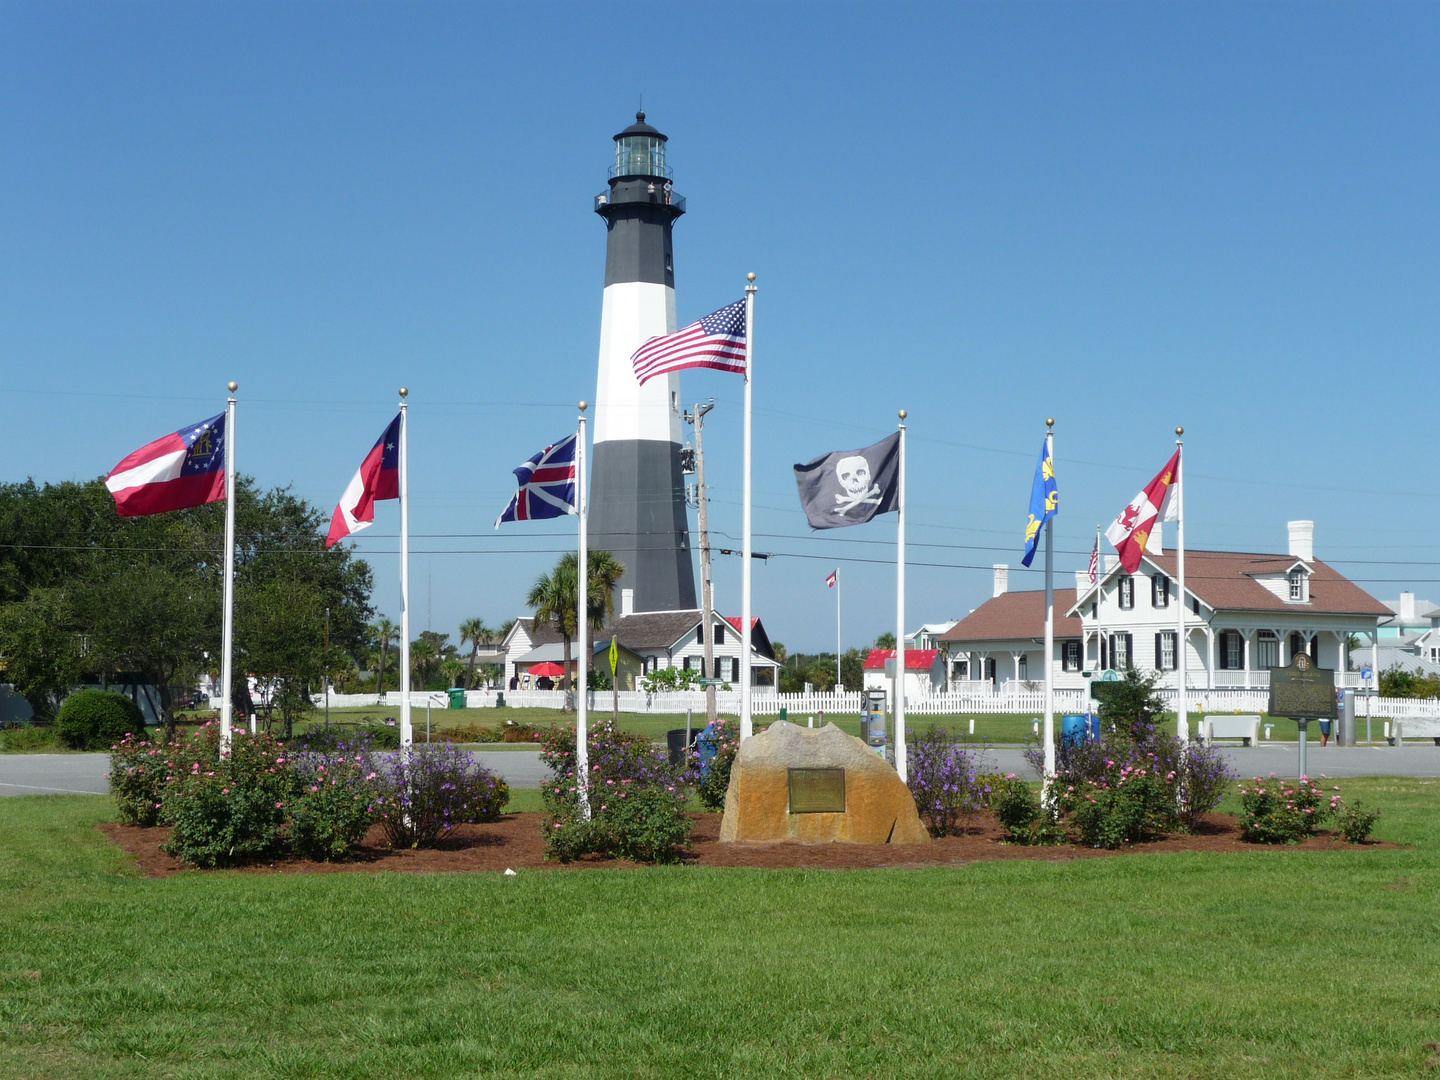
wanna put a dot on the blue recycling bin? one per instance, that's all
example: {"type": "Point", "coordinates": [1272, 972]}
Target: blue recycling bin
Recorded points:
{"type": "Point", "coordinates": [1073, 729]}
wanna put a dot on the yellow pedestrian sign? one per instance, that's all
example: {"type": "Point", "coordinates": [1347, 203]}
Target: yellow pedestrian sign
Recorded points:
{"type": "Point", "coordinates": [614, 657]}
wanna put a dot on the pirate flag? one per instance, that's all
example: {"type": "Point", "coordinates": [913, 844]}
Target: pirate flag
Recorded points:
{"type": "Point", "coordinates": [849, 487]}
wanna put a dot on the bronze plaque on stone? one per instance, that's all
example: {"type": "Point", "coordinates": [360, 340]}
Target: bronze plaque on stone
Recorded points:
{"type": "Point", "coordinates": [817, 791]}
{"type": "Point", "coordinates": [1302, 691]}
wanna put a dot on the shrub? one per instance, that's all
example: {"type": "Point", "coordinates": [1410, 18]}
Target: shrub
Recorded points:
{"type": "Point", "coordinates": [942, 780]}
{"type": "Point", "coordinates": [1357, 821]}
{"type": "Point", "coordinates": [988, 786]}
{"type": "Point", "coordinates": [29, 739]}
{"type": "Point", "coordinates": [96, 719]}
{"type": "Point", "coordinates": [424, 794]}
{"type": "Point", "coordinates": [380, 736]}
{"type": "Point", "coordinates": [234, 810]}
{"type": "Point", "coordinates": [335, 805]}
{"type": "Point", "coordinates": [1019, 812]}
{"type": "Point", "coordinates": [636, 799]}
{"type": "Point", "coordinates": [1280, 812]}
{"type": "Point", "coordinates": [711, 759]}
{"type": "Point", "coordinates": [1137, 806]}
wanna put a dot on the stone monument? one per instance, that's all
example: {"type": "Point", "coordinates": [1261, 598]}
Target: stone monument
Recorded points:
{"type": "Point", "coordinates": [817, 786]}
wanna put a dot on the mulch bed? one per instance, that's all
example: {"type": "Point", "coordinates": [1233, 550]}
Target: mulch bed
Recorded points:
{"type": "Point", "coordinates": [514, 843]}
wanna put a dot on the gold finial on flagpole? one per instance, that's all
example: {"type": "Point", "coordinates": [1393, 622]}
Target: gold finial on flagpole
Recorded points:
{"type": "Point", "coordinates": [233, 386]}
{"type": "Point", "coordinates": [903, 414]}
{"type": "Point", "coordinates": [1179, 431]}
{"type": "Point", "coordinates": [750, 277]}
{"type": "Point", "coordinates": [584, 405]}
{"type": "Point", "coordinates": [1049, 421]}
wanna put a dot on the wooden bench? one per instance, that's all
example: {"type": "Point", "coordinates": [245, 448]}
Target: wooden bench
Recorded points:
{"type": "Point", "coordinates": [1400, 730]}
{"type": "Point", "coordinates": [1229, 726]}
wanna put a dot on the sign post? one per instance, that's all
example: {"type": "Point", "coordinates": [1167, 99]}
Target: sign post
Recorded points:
{"type": "Point", "coordinates": [1302, 692]}
{"type": "Point", "coordinates": [1365, 676]}
{"type": "Point", "coordinates": [614, 679]}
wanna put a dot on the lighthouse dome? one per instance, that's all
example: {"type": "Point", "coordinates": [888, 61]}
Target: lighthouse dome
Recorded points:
{"type": "Point", "coordinates": [640, 151]}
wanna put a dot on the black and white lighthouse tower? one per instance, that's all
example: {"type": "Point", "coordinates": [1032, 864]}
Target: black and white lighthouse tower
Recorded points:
{"type": "Point", "coordinates": [637, 490]}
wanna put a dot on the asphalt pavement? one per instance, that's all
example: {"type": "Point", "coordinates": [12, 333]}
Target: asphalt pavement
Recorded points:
{"type": "Point", "coordinates": [80, 774]}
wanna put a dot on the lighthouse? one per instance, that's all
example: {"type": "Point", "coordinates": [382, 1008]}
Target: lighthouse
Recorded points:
{"type": "Point", "coordinates": [637, 489]}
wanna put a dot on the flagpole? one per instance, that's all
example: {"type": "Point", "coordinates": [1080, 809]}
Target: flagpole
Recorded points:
{"type": "Point", "coordinates": [582, 618]}
{"type": "Point", "coordinates": [900, 763]}
{"type": "Point", "coordinates": [227, 646]}
{"type": "Point", "coordinates": [1050, 620]}
{"type": "Point", "coordinates": [1182, 705]}
{"type": "Point", "coordinates": [1099, 607]}
{"type": "Point", "coordinates": [406, 734]}
{"type": "Point", "coordinates": [746, 725]}
{"type": "Point", "coordinates": [839, 679]}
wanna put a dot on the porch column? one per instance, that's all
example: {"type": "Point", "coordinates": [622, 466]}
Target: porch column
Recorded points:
{"type": "Point", "coordinates": [1247, 654]}
{"type": "Point", "coordinates": [1342, 648]}
{"type": "Point", "coordinates": [1015, 659]}
{"type": "Point", "coordinates": [1210, 648]}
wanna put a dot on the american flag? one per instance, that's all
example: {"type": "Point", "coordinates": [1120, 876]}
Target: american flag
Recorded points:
{"type": "Point", "coordinates": [547, 485]}
{"type": "Point", "coordinates": [1095, 562]}
{"type": "Point", "coordinates": [716, 341]}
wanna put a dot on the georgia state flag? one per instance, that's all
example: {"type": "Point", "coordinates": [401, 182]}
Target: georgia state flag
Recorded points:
{"type": "Point", "coordinates": [1130, 532]}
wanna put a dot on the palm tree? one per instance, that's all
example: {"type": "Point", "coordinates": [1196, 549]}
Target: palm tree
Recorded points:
{"type": "Point", "coordinates": [385, 633]}
{"type": "Point", "coordinates": [452, 667]}
{"type": "Point", "coordinates": [552, 598]}
{"type": "Point", "coordinates": [604, 571]}
{"type": "Point", "coordinates": [424, 655]}
{"type": "Point", "coordinates": [474, 631]}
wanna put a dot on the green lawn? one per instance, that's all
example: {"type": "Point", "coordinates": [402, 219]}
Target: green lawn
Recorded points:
{"type": "Point", "coordinates": [1264, 964]}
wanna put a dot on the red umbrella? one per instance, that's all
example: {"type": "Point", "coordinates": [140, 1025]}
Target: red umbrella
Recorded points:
{"type": "Point", "coordinates": [549, 668]}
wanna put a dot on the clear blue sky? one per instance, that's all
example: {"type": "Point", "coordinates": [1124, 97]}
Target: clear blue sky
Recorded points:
{"type": "Point", "coordinates": [1125, 216]}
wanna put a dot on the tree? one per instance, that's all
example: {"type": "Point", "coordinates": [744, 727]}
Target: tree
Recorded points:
{"type": "Point", "coordinates": [554, 598]}
{"type": "Point", "coordinates": [42, 652]}
{"type": "Point", "coordinates": [143, 594]}
{"type": "Point", "coordinates": [452, 667]}
{"type": "Point", "coordinates": [885, 641]}
{"type": "Point", "coordinates": [778, 647]}
{"type": "Point", "coordinates": [474, 631]}
{"type": "Point", "coordinates": [384, 633]}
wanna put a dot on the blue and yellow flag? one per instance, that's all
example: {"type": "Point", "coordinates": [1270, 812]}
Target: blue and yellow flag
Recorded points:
{"type": "Point", "coordinates": [1043, 500]}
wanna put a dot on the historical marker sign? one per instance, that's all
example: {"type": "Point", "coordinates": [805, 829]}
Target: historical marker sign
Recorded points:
{"type": "Point", "coordinates": [1302, 691]}
{"type": "Point", "coordinates": [817, 791]}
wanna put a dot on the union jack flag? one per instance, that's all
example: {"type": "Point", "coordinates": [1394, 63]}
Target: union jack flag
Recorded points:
{"type": "Point", "coordinates": [547, 485]}
{"type": "Point", "coordinates": [716, 341]}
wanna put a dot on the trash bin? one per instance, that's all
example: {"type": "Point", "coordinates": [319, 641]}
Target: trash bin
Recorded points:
{"type": "Point", "coordinates": [675, 743]}
{"type": "Point", "coordinates": [500, 699]}
{"type": "Point", "coordinates": [1073, 729]}
{"type": "Point", "coordinates": [457, 697]}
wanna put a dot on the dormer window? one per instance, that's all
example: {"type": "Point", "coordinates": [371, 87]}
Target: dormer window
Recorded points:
{"type": "Point", "coordinates": [1159, 591]}
{"type": "Point", "coordinates": [1299, 586]}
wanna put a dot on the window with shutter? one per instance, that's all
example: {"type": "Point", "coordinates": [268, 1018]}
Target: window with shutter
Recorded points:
{"type": "Point", "coordinates": [1127, 593]}
{"type": "Point", "coordinates": [734, 669]}
{"type": "Point", "coordinates": [1159, 591]}
{"type": "Point", "coordinates": [1071, 660]}
{"type": "Point", "coordinates": [700, 634]}
{"type": "Point", "coordinates": [685, 663]}
{"type": "Point", "coordinates": [719, 633]}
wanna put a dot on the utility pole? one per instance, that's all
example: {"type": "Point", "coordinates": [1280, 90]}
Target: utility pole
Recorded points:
{"type": "Point", "coordinates": [707, 596]}
{"type": "Point", "coordinates": [327, 668]}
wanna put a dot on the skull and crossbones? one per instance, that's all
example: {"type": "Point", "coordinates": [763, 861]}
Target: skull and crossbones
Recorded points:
{"type": "Point", "coordinates": [854, 476]}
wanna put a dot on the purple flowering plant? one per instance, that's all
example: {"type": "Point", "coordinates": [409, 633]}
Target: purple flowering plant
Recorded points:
{"type": "Point", "coordinates": [943, 778]}
{"type": "Point", "coordinates": [423, 794]}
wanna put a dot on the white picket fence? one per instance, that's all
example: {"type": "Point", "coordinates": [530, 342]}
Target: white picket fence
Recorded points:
{"type": "Point", "coordinates": [1023, 702]}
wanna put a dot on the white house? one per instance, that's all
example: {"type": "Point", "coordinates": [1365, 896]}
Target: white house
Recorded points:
{"type": "Point", "coordinates": [924, 671]}
{"type": "Point", "coordinates": [664, 639]}
{"type": "Point", "coordinates": [1244, 614]}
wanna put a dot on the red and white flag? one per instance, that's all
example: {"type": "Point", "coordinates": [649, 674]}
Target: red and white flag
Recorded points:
{"type": "Point", "coordinates": [1131, 531]}
{"type": "Point", "coordinates": [179, 471]}
{"type": "Point", "coordinates": [830, 581]}
{"type": "Point", "coordinates": [377, 478]}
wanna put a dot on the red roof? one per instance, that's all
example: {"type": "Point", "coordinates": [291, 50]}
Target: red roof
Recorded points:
{"type": "Point", "coordinates": [915, 659]}
{"type": "Point", "coordinates": [734, 620]}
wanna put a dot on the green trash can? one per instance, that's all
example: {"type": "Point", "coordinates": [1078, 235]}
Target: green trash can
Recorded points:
{"type": "Point", "coordinates": [457, 697]}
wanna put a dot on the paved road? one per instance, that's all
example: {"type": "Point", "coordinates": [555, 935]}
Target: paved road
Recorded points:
{"type": "Point", "coordinates": [64, 774]}
{"type": "Point", "coordinates": [1283, 759]}
{"type": "Point", "coordinates": [79, 774]}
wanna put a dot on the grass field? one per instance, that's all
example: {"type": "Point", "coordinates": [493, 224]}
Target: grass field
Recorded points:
{"type": "Point", "coordinates": [1266, 964]}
